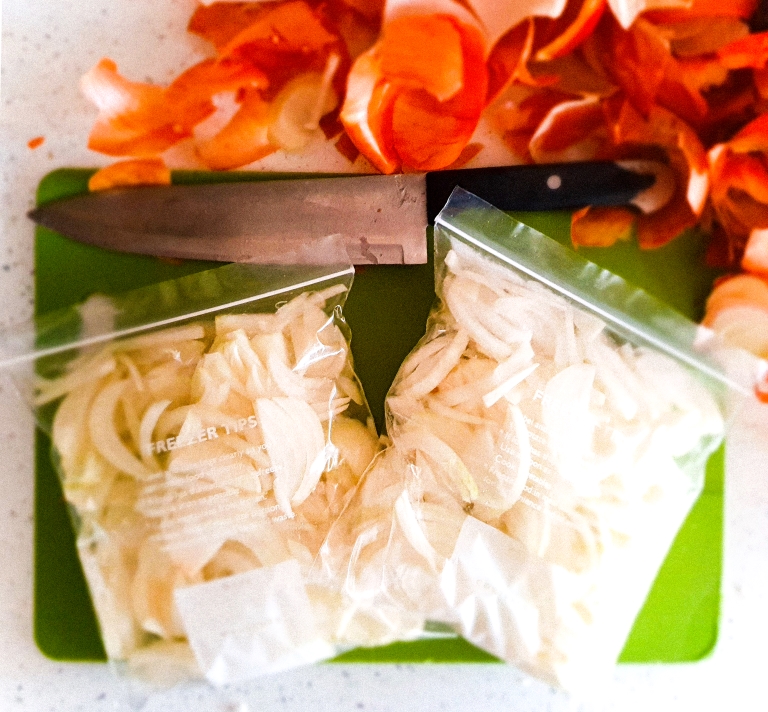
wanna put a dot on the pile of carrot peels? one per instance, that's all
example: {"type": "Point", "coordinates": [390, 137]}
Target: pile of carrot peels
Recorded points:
{"type": "Point", "coordinates": [404, 84]}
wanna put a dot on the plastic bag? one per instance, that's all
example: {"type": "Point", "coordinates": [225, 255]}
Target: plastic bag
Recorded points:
{"type": "Point", "coordinates": [549, 436]}
{"type": "Point", "coordinates": [206, 431]}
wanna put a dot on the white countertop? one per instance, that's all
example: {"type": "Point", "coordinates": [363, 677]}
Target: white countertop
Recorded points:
{"type": "Point", "coordinates": [46, 46]}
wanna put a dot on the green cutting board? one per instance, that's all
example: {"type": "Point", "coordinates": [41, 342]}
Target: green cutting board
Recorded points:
{"type": "Point", "coordinates": [387, 311]}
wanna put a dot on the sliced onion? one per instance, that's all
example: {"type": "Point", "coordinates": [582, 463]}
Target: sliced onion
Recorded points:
{"type": "Point", "coordinates": [589, 327]}
{"type": "Point", "coordinates": [426, 351]}
{"type": "Point", "coordinates": [130, 406]}
{"type": "Point", "coordinates": [443, 456]}
{"type": "Point", "coordinates": [524, 454]}
{"type": "Point", "coordinates": [440, 408]}
{"type": "Point", "coordinates": [350, 388]}
{"type": "Point", "coordinates": [357, 443]}
{"type": "Point", "coordinates": [308, 426]}
{"type": "Point", "coordinates": [296, 386]}
{"type": "Point", "coordinates": [170, 381]}
{"type": "Point", "coordinates": [133, 372]}
{"type": "Point", "coordinates": [618, 393]}
{"type": "Point", "coordinates": [48, 391]}
{"type": "Point", "coordinates": [288, 460]}
{"type": "Point", "coordinates": [330, 410]}
{"type": "Point", "coordinates": [464, 309]}
{"type": "Point", "coordinates": [101, 427]}
{"type": "Point", "coordinates": [303, 334]}
{"type": "Point", "coordinates": [492, 397]}
{"type": "Point", "coordinates": [162, 338]}
{"type": "Point", "coordinates": [251, 324]}
{"type": "Point", "coordinates": [69, 431]}
{"type": "Point", "coordinates": [565, 413]}
{"type": "Point", "coordinates": [428, 375]}
{"type": "Point", "coordinates": [147, 428]}
{"type": "Point", "coordinates": [409, 524]}
{"type": "Point", "coordinates": [152, 593]}
{"type": "Point", "coordinates": [474, 376]}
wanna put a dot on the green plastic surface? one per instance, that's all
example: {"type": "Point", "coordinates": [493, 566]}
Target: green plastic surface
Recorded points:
{"type": "Point", "coordinates": [387, 311]}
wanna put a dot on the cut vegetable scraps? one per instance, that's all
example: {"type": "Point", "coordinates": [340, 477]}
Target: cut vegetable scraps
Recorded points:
{"type": "Point", "coordinates": [204, 451]}
{"type": "Point", "coordinates": [583, 76]}
{"type": "Point", "coordinates": [279, 68]}
{"type": "Point", "coordinates": [663, 80]}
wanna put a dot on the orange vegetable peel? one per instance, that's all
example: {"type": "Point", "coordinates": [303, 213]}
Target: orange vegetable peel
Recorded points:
{"type": "Point", "coordinates": [137, 171]}
{"type": "Point", "coordinates": [413, 110]}
{"type": "Point", "coordinates": [259, 49]}
{"type": "Point", "coordinates": [575, 33]}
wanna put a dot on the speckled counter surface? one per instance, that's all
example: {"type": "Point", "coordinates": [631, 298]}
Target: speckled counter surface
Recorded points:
{"type": "Point", "coordinates": [46, 46]}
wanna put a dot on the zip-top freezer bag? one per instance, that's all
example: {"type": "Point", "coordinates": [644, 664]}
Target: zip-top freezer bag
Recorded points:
{"type": "Point", "coordinates": [549, 435]}
{"type": "Point", "coordinates": [207, 431]}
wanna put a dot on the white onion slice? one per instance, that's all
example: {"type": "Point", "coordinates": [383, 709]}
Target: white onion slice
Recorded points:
{"type": "Point", "coordinates": [409, 524]}
{"type": "Point", "coordinates": [307, 424]}
{"type": "Point", "coordinates": [464, 310]}
{"type": "Point", "coordinates": [101, 426]}
{"type": "Point", "coordinates": [440, 408]}
{"type": "Point", "coordinates": [492, 397]}
{"type": "Point", "coordinates": [70, 427]}
{"type": "Point", "coordinates": [158, 339]}
{"type": "Point", "coordinates": [418, 383]}
{"type": "Point", "coordinates": [147, 428]}
{"type": "Point", "coordinates": [133, 373]}
{"type": "Point", "coordinates": [48, 391]}
{"type": "Point", "coordinates": [422, 353]}
{"type": "Point", "coordinates": [350, 389]}
{"type": "Point", "coordinates": [294, 385]}
{"type": "Point", "coordinates": [444, 457]}
{"type": "Point", "coordinates": [251, 324]}
{"type": "Point", "coordinates": [524, 454]}
{"type": "Point", "coordinates": [328, 411]}
{"type": "Point", "coordinates": [298, 464]}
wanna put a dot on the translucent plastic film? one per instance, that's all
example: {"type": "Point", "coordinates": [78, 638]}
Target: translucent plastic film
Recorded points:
{"type": "Point", "coordinates": [207, 431]}
{"type": "Point", "coordinates": [549, 436]}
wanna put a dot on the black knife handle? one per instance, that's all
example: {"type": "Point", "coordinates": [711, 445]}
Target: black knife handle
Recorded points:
{"type": "Point", "coordinates": [554, 186]}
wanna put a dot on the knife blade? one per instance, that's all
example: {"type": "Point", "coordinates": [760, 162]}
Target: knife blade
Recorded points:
{"type": "Point", "coordinates": [381, 218]}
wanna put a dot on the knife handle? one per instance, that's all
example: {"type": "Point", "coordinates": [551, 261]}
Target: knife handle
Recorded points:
{"type": "Point", "coordinates": [554, 186]}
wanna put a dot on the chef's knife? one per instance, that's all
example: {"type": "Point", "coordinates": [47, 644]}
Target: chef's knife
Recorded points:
{"type": "Point", "coordinates": [382, 219]}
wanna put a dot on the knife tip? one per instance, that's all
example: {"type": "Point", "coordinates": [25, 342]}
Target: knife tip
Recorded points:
{"type": "Point", "coordinates": [40, 216]}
